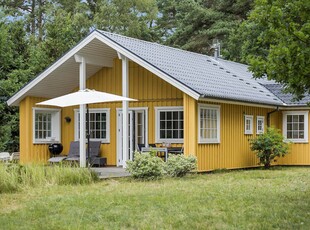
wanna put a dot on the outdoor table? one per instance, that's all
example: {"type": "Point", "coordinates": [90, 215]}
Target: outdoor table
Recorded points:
{"type": "Point", "coordinates": [148, 149]}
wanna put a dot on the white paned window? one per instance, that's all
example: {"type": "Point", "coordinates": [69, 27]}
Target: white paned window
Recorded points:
{"type": "Point", "coordinates": [169, 124]}
{"type": "Point", "coordinates": [99, 123]}
{"type": "Point", "coordinates": [209, 123]}
{"type": "Point", "coordinates": [46, 125]}
{"type": "Point", "coordinates": [248, 124]}
{"type": "Point", "coordinates": [260, 123]}
{"type": "Point", "coordinates": [295, 126]}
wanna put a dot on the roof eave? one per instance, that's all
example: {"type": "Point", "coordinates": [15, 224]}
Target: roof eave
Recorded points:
{"type": "Point", "coordinates": [240, 102]}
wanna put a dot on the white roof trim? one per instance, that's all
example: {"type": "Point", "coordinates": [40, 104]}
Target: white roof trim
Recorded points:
{"type": "Point", "coordinates": [254, 104]}
{"type": "Point", "coordinates": [115, 46]}
{"type": "Point", "coordinates": [50, 69]}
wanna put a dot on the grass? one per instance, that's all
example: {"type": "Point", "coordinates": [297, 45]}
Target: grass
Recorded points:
{"type": "Point", "coordinates": [249, 199]}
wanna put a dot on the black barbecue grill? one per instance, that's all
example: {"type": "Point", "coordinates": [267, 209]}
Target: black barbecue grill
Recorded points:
{"type": "Point", "coordinates": [55, 148]}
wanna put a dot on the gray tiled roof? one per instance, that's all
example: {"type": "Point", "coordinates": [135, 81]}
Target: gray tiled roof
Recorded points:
{"type": "Point", "coordinates": [200, 73]}
{"type": "Point", "coordinates": [287, 98]}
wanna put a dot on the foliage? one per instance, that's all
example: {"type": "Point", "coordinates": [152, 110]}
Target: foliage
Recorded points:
{"type": "Point", "coordinates": [14, 177]}
{"type": "Point", "coordinates": [134, 18]}
{"type": "Point", "coordinates": [268, 146]}
{"type": "Point", "coordinates": [180, 165]}
{"type": "Point", "coordinates": [194, 25]}
{"type": "Point", "coordinates": [275, 41]}
{"type": "Point", "coordinates": [146, 166]}
{"type": "Point", "coordinates": [240, 199]}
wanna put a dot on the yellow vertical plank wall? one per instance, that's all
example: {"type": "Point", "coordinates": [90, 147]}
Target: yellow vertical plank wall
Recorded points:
{"type": "Point", "coordinates": [190, 125]}
{"type": "Point", "coordinates": [299, 153]}
{"type": "Point", "coordinates": [150, 91]}
{"type": "Point", "coordinates": [233, 151]}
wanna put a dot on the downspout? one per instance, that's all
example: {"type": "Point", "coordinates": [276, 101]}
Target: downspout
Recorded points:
{"type": "Point", "coordinates": [268, 115]}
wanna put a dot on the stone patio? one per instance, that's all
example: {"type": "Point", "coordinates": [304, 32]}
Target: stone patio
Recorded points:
{"type": "Point", "coordinates": [111, 172]}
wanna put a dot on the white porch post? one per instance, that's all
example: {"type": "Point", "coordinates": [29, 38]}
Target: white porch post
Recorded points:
{"type": "Point", "coordinates": [82, 116]}
{"type": "Point", "coordinates": [125, 90]}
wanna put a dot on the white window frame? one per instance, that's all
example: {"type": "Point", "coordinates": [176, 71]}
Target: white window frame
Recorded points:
{"type": "Point", "coordinates": [260, 118]}
{"type": "Point", "coordinates": [157, 123]}
{"type": "Point", "coordinates": [284, 125]}
{"type": "Point", "coordinates": [248, 118]}
{"type": "Point", "coordinates": [218, 123]}
{"type": "Point", "coordinates": [55, 125]}
{"type": "Point", "coordinates": [99, 110]}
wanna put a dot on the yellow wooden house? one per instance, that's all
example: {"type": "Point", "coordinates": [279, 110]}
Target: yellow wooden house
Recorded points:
{"type": "Point", "coordinates": [210, 106]}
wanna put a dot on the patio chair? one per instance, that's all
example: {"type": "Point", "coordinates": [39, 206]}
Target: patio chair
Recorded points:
{"type": "Point", "coordinates": [94, 150]}
{"type": "Point", "coordinates": [4, 156]}
{"type": "Point", "coordinates": [74, 151]}
{"type": "Point", "coordinates": [14, 157]}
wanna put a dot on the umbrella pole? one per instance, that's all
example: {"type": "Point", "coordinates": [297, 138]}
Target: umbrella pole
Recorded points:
{"type": "Point", "coordinates": [88, 136]}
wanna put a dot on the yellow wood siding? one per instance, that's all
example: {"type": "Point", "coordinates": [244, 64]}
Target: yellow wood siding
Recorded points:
{"type": "Point", "coordinates": [30, 153]}
{"type": "Point", "coordinates": [190, 125]}
{"type": "Point", "coordinates": [233, 151]}
{"type": "Point", "coordinates": [299, 152]}
{"type": "Point", "coordinates": [150, 91]}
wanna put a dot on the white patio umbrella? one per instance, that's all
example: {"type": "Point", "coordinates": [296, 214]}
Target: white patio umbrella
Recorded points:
{"type": "Point", "coordinates": [84, 97]}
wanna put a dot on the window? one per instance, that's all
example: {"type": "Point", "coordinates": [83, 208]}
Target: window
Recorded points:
{"type": "Point", "coordinates": [209, 123]}
{"type": "Point", "coordinates": [260, 122]}
{"type": "Point", "coordinates": [169, 124]}
{"type": "Point", "coordinates": [295, 126]}
{"type": "Point", "coordinates": [99, 123]}
{"type": "Point", "coordinates": [248, 124]}
{"type": "Point", "coordinates": [46, 125]}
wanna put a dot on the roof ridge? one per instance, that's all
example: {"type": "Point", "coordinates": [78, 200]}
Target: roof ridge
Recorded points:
{"type": "Point", "coordinates": [158, 44]}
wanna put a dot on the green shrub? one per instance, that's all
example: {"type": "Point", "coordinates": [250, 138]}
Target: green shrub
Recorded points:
{"type": "Point", "coordinates": [180, 165]}
{"type": "Point", "coordinates": [146, 166]}
{"type": "Point", "coordinates": [14, 177]}
{"type": "Point", "coordinates": [268, 146]}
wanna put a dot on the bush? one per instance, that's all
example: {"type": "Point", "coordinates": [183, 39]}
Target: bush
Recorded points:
{"type": "Point", "coordinates": [268, 146]}
{"type": "Point", "coordinates": [146, 166]}
{"type": "Point", "coordinates": [14, 177]}
{"type": "Point", "coordinates": [180, 165]}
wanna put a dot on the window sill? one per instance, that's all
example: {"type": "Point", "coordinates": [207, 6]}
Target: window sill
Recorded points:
{"type": "Point", "coordinates": [209, 142]}
{"type": "Point", "coordinates": [297, 141]}
{"type": "Point", "coordinates": [174, 141]}
{"type": "Point", "coordinates": [45, 142]}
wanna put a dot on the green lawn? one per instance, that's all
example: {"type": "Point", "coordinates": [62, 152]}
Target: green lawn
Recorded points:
{"type": "Point", "coordinates": [251, 199]}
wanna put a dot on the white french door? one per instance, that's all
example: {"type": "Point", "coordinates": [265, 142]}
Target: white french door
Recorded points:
{"type": "Point", "coordinates": [137, 119]}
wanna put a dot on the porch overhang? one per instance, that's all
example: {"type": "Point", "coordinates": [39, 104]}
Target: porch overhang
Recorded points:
{"type": "Point", "coordinates": [62, 77]}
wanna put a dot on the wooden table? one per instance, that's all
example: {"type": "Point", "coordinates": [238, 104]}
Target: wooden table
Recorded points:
{"type": "Point", "coordinates": [165, 150]}
{"type": "Point", "coordinates": [155, 149]}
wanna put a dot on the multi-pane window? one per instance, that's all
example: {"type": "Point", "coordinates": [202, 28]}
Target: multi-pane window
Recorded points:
{"type": "Point", "coordinates": [260, 122]}
{"type": "Point", "coordinates": [209, 124]}
{"type": "Point", "coordinates": [99, 120]}
{"type": "Point", "coordinates": [295, 126]}
{"type": "Point", "coordinates": [46, 125]}
{"type": "Point", "coordinates": [169, 124]}
{"type": "Point", "coordinates": [248, 124]}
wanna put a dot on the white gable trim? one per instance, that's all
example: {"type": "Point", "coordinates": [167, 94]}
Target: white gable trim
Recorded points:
{"type": "Point", "coordinates": [55, 65]}
{"type": "Point", "coordinates": [95, 34]}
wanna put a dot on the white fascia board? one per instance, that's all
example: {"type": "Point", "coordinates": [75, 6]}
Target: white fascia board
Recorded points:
{"type": "Point", "coordinates": [238, 103]}
{"type": "Point", "coordinates": [14, 100]}
{"type": "Point", "coordinates": [122, 51]}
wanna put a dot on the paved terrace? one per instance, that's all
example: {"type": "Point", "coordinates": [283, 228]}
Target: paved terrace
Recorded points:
{"type": "Point", "coordinates": [111, 172]}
